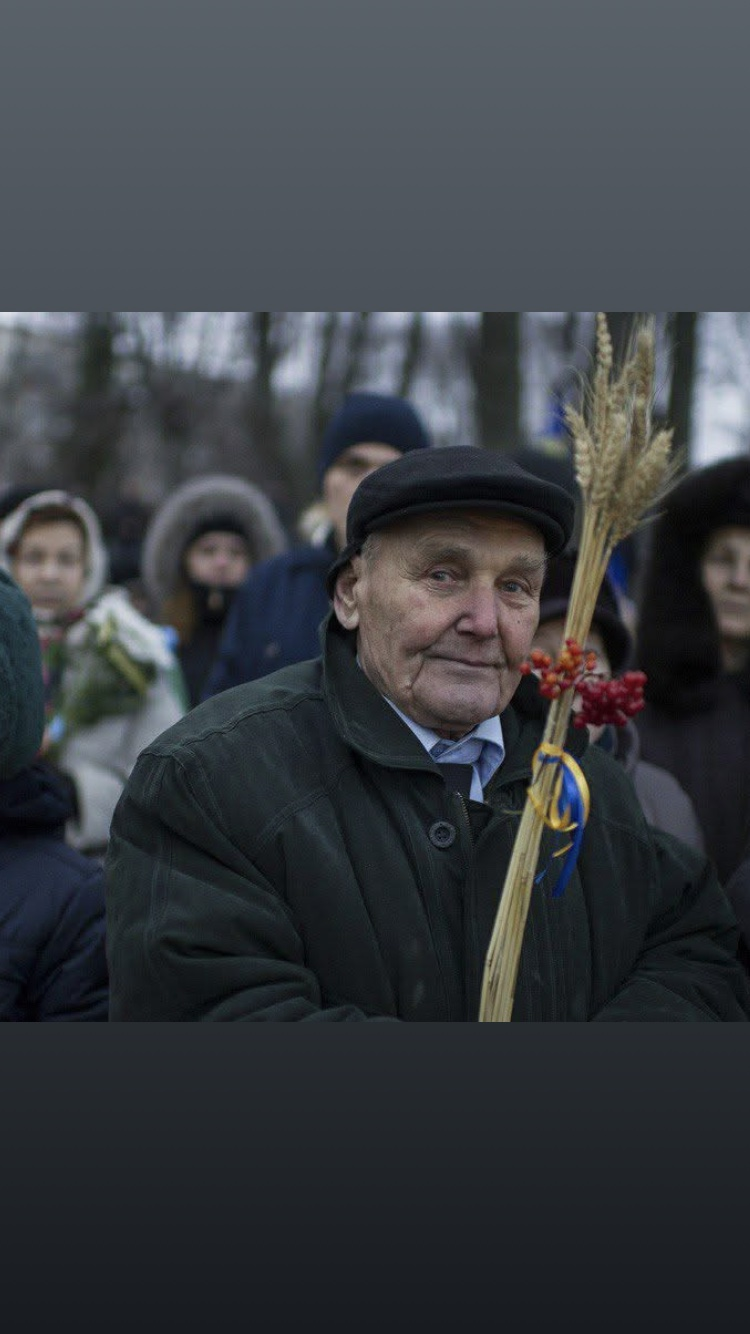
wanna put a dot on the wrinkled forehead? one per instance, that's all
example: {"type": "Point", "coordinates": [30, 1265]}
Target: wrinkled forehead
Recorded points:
{"type": "Point", "coordinates": [475, 531]}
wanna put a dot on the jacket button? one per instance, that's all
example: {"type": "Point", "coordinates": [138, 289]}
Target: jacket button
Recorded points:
{"type": "Point", "coordinates": [442, 834]}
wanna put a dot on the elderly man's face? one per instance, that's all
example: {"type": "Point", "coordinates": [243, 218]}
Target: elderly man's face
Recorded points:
{"type": "Point", "coordinates": [445, 610]}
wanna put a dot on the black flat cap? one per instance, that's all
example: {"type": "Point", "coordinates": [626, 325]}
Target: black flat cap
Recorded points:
{"type": "Point", "coordinates": [434, 481]}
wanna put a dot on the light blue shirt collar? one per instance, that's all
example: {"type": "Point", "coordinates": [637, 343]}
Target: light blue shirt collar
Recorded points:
{"type": "Point", "coordinates": [493, 751]}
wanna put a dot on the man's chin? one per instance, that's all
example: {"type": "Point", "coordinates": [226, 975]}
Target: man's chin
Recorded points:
{"type": "Point", "coordinates": [459, 712]}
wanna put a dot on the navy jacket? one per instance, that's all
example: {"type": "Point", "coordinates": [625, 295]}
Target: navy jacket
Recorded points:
{"type": "Point", "coordinates": [52, 950]}
{"type": "Point", "coordinates": [274, 619]}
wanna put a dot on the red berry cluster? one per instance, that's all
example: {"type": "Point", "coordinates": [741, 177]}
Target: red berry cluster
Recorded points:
{"type": "Point", "coordinates": [610, 701]}
{"type": "Point", "coordinates": [556, 677]}
{"type": "Point", "coordinates": [602, 701]}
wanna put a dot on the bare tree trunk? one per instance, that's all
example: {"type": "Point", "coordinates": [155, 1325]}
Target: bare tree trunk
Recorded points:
{"type": "Point", "coordinates": [97, 410]}
{"type": "Point", "coordinates": [267, 336]}
{"type": "Point", "coordinates": [412, 352]}
{"type": "Point", "coordinates": [357, 346]}
{"type": "Point", "coordinates": [321, 404]}
{"type": "Point", "coordinates": [682, 328]}
{"type": "Point", "coordinates": [331, 386]}
{"type": "Point", "coordinates": [496, 367]}
{"type": "Point", "coordinates": [261, 415]}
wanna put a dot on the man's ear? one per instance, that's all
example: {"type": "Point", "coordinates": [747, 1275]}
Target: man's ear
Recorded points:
{"type": "Point", "coordinates": [345, 603]}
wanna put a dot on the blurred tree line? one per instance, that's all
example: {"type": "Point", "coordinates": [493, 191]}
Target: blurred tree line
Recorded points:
{"type": "Point", "coordinates": [129, 403]}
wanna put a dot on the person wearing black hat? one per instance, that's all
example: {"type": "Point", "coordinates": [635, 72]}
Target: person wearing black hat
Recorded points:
{"type": "Point", "coordinates": [52, 958]}
{"type": "Point", "coordinates": [329, 843]}
{"type": "Point", "coordinates": [665, 804]}
{"type": "Point", "coordinates": [277, 613]}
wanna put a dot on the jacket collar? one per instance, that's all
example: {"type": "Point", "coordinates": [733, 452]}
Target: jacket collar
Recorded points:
{"type": "Point", "coordinates": [363, 719]}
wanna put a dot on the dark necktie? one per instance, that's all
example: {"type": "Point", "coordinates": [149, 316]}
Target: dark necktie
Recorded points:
{"type": "Point", "coordinates": [459, 773]}
{"type": "Point", "coordinates": [458, 777]}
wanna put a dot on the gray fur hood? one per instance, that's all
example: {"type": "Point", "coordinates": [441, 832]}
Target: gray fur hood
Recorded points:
{"type": "Point", "coordinates": [189, 506]}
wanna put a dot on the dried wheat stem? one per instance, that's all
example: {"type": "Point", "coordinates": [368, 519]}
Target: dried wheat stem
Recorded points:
{"type": "Point", "coordinates": [621, 469]}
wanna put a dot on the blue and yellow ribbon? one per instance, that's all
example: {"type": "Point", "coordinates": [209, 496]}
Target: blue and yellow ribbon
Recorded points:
{"type": "Point", "coordinates": [567, 809]}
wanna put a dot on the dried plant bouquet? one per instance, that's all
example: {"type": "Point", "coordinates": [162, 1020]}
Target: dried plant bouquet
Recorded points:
{"type": "Point", "coordinates": [622, 468]}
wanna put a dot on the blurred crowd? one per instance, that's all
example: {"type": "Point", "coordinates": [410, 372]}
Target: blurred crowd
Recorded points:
{"type": "Point", "coordinates": [141, 614]}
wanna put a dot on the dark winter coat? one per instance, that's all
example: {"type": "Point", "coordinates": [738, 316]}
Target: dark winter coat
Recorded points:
{"type": "Point", "coordinates": [52, 954]}
{"type": "Point", "coordinates": [289, 851]}
{"type": "Point", "coordinates": [708, 751]}
{"type": "Point", "coordinates": [664, 803]}
{"type": "Point", "coordinates": [275, 618]}
{"type": "Point", "coordinates": [197, 654]}
{"type": "Point", "coordinates": [738, 893]}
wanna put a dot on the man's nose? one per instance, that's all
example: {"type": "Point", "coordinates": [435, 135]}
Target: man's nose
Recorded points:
{"type": "Point", "coordinates": [479, 613]}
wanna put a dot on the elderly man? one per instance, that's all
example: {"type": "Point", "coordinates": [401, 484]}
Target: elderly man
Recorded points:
{"type": "Point", "coordinates": [330, 842]}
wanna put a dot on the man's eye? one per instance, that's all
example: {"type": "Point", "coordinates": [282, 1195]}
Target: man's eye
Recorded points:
{"type": "Point", "coordinates": [440, 576]}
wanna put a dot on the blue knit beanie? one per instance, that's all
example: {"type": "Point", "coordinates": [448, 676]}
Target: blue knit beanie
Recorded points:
{"type": "Point", "coordinates": [365, 418]}
{"type": "Point", "coordinates": [21, 688]}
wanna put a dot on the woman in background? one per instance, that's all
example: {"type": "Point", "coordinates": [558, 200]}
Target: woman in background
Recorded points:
{"type": "Point", "coordinates": [694, 645]}
{"type": "Point", "coordinates": [111, 683]}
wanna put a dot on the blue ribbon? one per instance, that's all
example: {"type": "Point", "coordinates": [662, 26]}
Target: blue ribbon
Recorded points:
{"type": "Point", "coordinates": [567, 811]}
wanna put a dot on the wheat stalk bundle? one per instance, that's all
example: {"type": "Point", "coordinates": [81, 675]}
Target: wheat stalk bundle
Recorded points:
{"type": "Point", "coordinates": [622, 467]}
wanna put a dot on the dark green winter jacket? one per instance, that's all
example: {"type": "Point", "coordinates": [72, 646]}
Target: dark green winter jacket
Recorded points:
{"type": "Point", "coordinates": [289, 851]}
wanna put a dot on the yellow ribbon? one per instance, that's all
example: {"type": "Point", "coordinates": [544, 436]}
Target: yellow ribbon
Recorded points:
{"type": "Point", "coordinates": [570, 787]}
